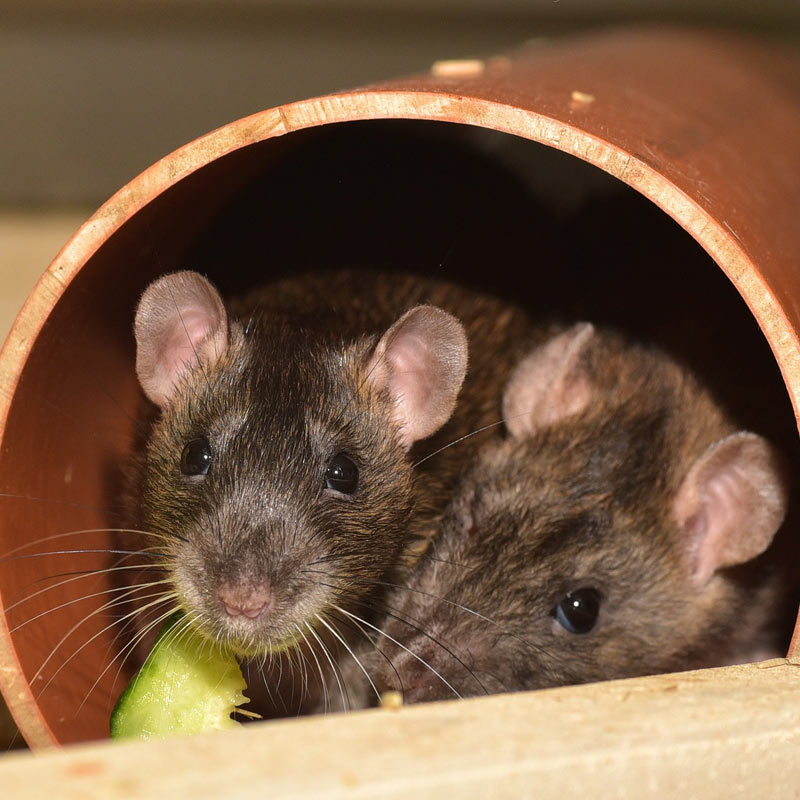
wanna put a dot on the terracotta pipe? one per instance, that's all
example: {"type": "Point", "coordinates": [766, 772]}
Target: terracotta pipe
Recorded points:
{"type": "Point", "coordinates": [707, 126]}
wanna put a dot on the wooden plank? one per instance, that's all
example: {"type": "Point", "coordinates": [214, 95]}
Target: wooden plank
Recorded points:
{"type": "Point", "coordinates": [731, 732]}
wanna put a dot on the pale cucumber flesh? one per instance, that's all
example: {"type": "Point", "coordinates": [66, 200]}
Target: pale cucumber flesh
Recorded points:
{"type": "Point", "coordinates": [187, 685]}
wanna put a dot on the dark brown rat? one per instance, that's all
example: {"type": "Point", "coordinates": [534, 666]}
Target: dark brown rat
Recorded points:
{"type": "Point", "coordinates": [280, 474]}
{"type": "Point", "coordinates": [620, 529]}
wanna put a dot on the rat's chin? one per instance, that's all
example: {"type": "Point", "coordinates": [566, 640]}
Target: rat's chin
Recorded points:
{"type": "Point", "coordinates": [249, 639]}
{"type": "Point", "coordinates": [251, 619]}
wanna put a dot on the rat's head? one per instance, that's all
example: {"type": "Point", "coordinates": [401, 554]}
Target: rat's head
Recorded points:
{"type": "Point", "coordinates": [277, 471]}
{"type": "Point", "coordinates": [593, 542]}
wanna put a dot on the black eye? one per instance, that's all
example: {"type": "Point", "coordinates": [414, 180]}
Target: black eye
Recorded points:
{"type": "Point", "coordinates": [341, 475]}
{"type": "Point", "coordinates": [578, 611]}
{"type": "Point", "coordinates": [196, 457]}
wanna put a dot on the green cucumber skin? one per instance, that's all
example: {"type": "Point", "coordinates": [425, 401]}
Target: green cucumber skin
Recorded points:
{"type": "Point", "coordinates": [185, 686]}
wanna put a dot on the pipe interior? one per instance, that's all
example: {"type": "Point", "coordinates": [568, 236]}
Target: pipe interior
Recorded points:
{"type": "Point", "coordinates": [485, 208]}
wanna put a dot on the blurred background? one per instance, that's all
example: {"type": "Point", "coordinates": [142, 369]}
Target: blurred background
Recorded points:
{"type": "Point", "coordinates": [95, 91]}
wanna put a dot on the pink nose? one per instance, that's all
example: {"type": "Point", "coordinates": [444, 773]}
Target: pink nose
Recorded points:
{"type": "Point", "coordinates": [249, 602]}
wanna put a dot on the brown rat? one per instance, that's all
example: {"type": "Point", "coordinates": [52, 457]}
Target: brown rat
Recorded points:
{"type": "Point", "coordinates": [281, 473]}
{"type": "Point", "coordinates": [620, 529]}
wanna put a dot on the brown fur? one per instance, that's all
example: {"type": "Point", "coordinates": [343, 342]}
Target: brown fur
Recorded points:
{"type": "Point", "coordinates": [587, 500]}
{"type": "Point", "coordinates": [289, 392]}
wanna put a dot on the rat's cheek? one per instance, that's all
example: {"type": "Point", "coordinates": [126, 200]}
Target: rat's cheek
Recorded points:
{"type": "Point", "coordinates": [463, 517]}
{"type": "Point", "coordinates": [186, 580]}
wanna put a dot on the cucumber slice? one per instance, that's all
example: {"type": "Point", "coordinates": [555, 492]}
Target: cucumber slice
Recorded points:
{"type": "Point", "coordinates": [187, 685]}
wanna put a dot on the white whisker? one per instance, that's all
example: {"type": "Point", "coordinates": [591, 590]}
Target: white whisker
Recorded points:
{"type": "Point", "coordinates": [402, 647]}
{"type": "Point", "coordinates": [352, 654]}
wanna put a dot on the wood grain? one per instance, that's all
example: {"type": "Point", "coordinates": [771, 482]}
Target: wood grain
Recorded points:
{"type": "Point", "coordinates": [732, 732]}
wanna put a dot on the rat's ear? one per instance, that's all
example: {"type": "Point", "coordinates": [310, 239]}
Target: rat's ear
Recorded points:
{"type": "Point", "coordinates": [731, 503]}
{"type": "Point", "coordinates": [549, 383]}
{"type": "Point", "coordinates": [180, 322]}
{"type": "Point", "coordinates": [421, 361]}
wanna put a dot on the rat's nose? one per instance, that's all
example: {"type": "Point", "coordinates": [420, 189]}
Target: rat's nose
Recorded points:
{"type": "Point", "coordinates": [249, 602]}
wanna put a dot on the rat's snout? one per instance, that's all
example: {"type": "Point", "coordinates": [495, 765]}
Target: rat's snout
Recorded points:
{"type": "Point", "coordinates": [247, 601]}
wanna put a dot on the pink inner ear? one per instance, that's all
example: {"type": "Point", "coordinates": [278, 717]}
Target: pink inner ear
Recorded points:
{"type": "Point", "coordinates": [412, 383]}
{"type": "Point", "coordinates": [714, 520]}
{"type": "Point", "coordinates": [180, 322]}
{"type": "Point", "coordinates": [421, 360]}
{"type": "Point", "coordinates": [549, 384]}
{"type": "Point", "coordinates": [186, 344]}
{"type": "Point", "coordinates": [731, 503]}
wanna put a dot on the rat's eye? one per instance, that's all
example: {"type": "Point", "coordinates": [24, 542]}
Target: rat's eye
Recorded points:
{"type": "Point", "coordinates": [196, 457]}
{"type": "Point", "coordinates": [578, 611]}
{"type": "Point", "coordinates": [341, 475]}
